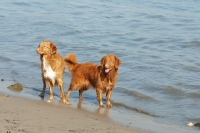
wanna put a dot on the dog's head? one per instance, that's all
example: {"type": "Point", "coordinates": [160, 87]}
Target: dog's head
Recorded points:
{"type": "Point", "coordinates": [46, 48]}
{"type": "Point", "coordinates": [110, 62]}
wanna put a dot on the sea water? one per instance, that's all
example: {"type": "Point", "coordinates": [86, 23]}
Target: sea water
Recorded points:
{"type": "Point", "coordinates": [158, 43]}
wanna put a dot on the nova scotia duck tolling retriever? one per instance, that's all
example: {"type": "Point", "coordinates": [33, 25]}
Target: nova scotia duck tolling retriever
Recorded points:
{"type": "Point", "coordinates": [101, 77]}
{"type": "Point", "coordinates": [52, 66]}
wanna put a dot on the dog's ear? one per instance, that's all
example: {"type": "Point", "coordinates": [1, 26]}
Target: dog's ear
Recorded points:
{"type": "Point", "coordinates": [53, 48]}
{"type": "Point", "coordinates": [117, 62]}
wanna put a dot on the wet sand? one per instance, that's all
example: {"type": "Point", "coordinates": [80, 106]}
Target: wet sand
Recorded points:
{"type": "Point", "coordinates": [19, 114]}
{"type": "Point", "coordinates": [27, 112]}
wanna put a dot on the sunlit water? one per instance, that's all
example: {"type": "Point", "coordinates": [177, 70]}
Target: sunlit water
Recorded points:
{"type": "Point", "coordinates": [158, 43]}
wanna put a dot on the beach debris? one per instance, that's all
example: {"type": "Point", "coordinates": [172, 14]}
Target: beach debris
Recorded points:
{"type": "Point", "coordinates": [7, 95]}
{"type": "Point", "coordinates": [190, 124]}
{"type": "Point", "coordinates": [2, 79]}
{"type": "Point", "coordinates": [71, 130]}
{"type": "Point", "coordinates": [16, 87]}
{"type": "Point", "coordinates": [197, 125]}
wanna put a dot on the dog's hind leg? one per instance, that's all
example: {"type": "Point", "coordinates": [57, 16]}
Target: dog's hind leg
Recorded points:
{"type": "Point", "coordinates": [80, 94]}
{"type": "Point", "coordinates": [44, 88]}
{"type": "Point", "coordinates": [75, 86]}
{"type": "Point", "coordinates": [82, 89]}
{"type": "Point", "coordinates": [62, 94]}
{"type": "Point", "coordinates": [68, 93]}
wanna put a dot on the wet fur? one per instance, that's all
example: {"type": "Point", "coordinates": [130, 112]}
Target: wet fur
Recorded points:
{"type": "Point", "coordinates": [52, 66]}
{"type": "Point", "coordinates": [88, 75]}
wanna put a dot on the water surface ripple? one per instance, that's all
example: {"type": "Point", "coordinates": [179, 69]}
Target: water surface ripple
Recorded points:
{"type": "Point", "coordinates": [158, 43]}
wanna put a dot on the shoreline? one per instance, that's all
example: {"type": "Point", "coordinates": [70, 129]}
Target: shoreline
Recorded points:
{"type": "Point", "coordinates": [21, 114]}
{"type": "Point", "coordinates": [23, 111]}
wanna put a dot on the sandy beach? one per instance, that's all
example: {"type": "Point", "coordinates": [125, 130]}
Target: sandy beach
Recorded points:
{"type": "Point", "coordinates": [25, 112]}
{"type": "Point", "coordinates": [19, 114]}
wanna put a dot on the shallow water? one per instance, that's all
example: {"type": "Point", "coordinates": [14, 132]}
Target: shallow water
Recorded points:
{"type": "Point", "coordinates": [157, 42]}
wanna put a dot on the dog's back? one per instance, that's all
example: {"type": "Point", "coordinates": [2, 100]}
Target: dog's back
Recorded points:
{"type": "Point", "coordinates": [83, 75]}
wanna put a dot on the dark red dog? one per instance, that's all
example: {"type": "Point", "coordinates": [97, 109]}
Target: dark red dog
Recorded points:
{"type": "Point", "coordinates": [103, 78]}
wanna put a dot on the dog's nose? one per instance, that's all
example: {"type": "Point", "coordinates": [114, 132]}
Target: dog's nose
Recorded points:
{"type": "Point", "coordinates": [106, 66]}
{"type": "Point", "coordinates": [37, 51]}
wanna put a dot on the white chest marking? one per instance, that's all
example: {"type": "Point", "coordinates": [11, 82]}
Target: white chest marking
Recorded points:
{"type": "Point", "coordinates": [108, 88]}
{"type": "Point", "coordinates": [49, 73]}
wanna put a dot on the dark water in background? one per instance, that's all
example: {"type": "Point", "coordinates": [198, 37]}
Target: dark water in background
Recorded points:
{"type": "Point", "coordinates": [158, 43]}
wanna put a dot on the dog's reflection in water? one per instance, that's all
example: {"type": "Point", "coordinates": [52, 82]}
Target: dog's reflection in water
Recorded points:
{"type": "Point", "coordinates": [105, 113]}
{"type": "Point", "coordinates": [99, 111]}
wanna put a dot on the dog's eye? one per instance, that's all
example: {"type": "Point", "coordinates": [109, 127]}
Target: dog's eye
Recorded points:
{"type": "Point", "coordinates": [46, 47]}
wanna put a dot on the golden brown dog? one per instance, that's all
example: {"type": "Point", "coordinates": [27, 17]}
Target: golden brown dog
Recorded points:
{"type": "Point", "coordinates": [103, 78]}
{"type": "Point", "coordinates": [52, 66]}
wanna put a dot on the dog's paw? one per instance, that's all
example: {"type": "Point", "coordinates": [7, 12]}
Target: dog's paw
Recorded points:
{"type": "Point", "coordinates": [109, 105]}
{"type": "Point", "coordinates": [41, 95]}
{"type": "Point", "coordinates": [65, 102]}
{"type": "Point", "coordinates": [101, 106]}
{"type": "Point", "coordinates": [81, 98]}
{"type": "Point", "coordinates": [50, 101]}
{"type": "Point", "coordinates": [67, 99]}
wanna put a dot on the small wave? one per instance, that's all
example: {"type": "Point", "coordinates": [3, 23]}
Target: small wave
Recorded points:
{"type": "Point", "coordinates": [192, 68]}
{"type": "Point", "coordinates": [191, 44]}
{"type": "Point", "coordinates": [14, 72]}
{"type": "Point", "coordinates": [134, 93]}
{"type": "Point", "coordinates": [193, 86]}
{"type": "Point", "coordinates": [1, 16]}
{"type": "Point", "coordinates": [157, 42]}
{"type": "Point", "coordinates": [21, 3]}
{"type": "Point", "coordinates": [83, 6]}
{"type": "Point", "coordinates": [42, 23]}
{"type": "Point", "coordinates": [72, 32]}
{"type": "Point", "coordinates": [140, 95]}
{"type": "Point", "coordinates": [161, 17]}
{"type": "Point", "coordinates": [35, 64]}
{"type": "Point", "coordinates": [155, 57]}
{"type": "Point", "coordinates": [133, 109]}
{"type": "Point", "coordinates": [194, 95]}
{"type": "Point", "coordinates": [119, 16]}
{"type": "Point", "coordinates": [139, 39]}
{"type": "Point", "coordinates": [177, 25]}
{"type": "Point", "coordinates": [3, 58]}
{"type": "Point", "coordinates": [173, 91]}
{"type": "Point", "coordinates": [187, 20]}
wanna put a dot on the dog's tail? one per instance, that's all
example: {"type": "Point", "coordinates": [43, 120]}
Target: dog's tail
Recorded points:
{"type": "Point", "coordinates": [71, 62]}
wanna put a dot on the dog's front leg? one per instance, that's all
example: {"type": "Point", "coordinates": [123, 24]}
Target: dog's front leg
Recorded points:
{"type": "Point", "coordinates": [108, 96]}
{"type": "Point", "coordinates": [99, 97]}
{"type": "Point", "coordinates": [50, 92]}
